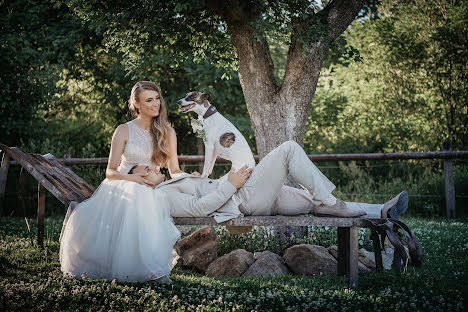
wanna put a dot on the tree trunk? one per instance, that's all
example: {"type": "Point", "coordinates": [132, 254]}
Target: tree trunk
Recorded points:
{"type": "Point", "coordinates": [279, 113]}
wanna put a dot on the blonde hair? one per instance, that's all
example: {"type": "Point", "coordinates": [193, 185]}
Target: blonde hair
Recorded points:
{"type": "Point", "coordinates": [160, 127]}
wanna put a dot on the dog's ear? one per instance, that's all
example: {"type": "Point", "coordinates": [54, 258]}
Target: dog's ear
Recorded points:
{"type": "Point", "coordinates": [205, 96]}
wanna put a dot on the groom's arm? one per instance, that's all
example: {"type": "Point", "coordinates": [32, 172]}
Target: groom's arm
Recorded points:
{"type": "Point", "coordinates": [187, 205]}
{"type": "Point", "coordinates": [226, 188]}
{"type": "Point", "coordinates": [213, 200]}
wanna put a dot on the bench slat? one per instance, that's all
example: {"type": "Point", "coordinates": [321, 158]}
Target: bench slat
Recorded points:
{"type": "Point", "coordinates": [271, 221]}
{"type": "Point", "coordinates": [301, 220]}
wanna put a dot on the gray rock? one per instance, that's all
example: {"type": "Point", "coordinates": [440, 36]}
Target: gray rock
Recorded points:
{"type": "Point", "coordinates": [198, 250]}
{"type": "Point", "coordinates": [362, 268]}
{"type": "Point", "coordinates": [333, 250]}
{"type": "Point", "coordinates": [185, 230]}
{"type": "Point", "coordinates": [387, 257]}
{"type": "Point", "coordinates": [367, 258]}
{"type": "Point", "coordinates": [233, 264]}
{"type": "Point", "coordinates": [308, 259]}
{"type": "Point", "coordinates": [267, 263]}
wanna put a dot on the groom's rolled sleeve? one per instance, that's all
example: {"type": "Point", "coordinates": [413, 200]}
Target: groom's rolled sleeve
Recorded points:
{"type": "Point", "coordinates": [227, 188]}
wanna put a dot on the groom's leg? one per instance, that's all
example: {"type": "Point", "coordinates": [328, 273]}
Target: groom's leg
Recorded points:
{"type": "Point", "coordinates": [292, 202]}
{"type": "Point", "coordinates": [258, 195]}
{"type": "Point", "coordinates": [372, 210]}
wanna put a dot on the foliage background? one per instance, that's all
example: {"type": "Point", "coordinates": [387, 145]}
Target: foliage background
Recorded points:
{"type": "Point", "coordinates": [65, 85]}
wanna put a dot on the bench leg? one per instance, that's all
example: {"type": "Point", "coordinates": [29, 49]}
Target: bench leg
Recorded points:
{"type": "Point", "coordinates": [377, 251]}
{"type": "Point", "coordinates": [41, 194]}
{"type": "Point", "coordinates": [348, 253]}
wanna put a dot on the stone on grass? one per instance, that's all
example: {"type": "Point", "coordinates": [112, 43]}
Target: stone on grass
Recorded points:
{"type": "Point", "coordinates": [333, 250]}
{"type": "Point", "coordinates": [387, 257]}
{"type": "Point", "coordinates": [267, 263]}
{"type": "Point", "coordinates": [185, 230]}
{"type": "Point", "coordinates": [308, 259]}
{"type": "Point", "coordinates": [199, 249]}
{"type": "Point", "coordinates": [233, 264]}
{"type": "Point", "coordinates": [367, 258]}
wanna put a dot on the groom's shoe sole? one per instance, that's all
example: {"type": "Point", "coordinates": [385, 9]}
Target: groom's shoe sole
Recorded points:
{"type": "Point", "coordinates": [395, 206]}
{"type": "Point", "coordinates": [400, 207]}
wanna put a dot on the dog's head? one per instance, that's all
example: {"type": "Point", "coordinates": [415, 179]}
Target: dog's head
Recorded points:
{"type": "Point", "coordinates": [194, 101]}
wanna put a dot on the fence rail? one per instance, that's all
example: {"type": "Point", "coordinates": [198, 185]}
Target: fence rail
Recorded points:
{"type": "Point", "coordinates": [447, 156]}
{"type": "Point", "coordinates": [314, 157]}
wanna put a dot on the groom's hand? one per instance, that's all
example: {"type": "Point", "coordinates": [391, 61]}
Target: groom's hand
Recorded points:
{"type": "Point", "coordinates": [239, 178]}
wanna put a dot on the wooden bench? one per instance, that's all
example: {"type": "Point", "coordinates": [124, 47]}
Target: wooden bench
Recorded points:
{"type": "Point", "coordinates": [66, 186]}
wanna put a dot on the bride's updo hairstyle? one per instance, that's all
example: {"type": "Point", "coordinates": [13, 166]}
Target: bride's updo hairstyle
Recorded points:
{"type": "Point", "coordinates": [160, 126]}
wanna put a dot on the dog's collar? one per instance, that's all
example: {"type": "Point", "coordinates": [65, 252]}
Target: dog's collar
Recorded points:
{"type": "Point", "coordinates": [210, 111]}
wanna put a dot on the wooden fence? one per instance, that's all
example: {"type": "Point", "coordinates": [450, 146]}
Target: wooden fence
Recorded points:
{"type": "Point", "coordinates": [447, 156]}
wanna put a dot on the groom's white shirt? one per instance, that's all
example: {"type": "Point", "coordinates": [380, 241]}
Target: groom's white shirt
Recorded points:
{"type": "Point", "coordinates": [193, 196]}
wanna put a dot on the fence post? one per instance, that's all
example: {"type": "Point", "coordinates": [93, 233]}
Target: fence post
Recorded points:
{"type": "Point", "coordinates": [3, 178]}
{"type": "Point", "coordinates": [200, 151]}
{"type": "Point", "coordinates": [449, 185]}
{"type": "Point", "coordinates": [41, 196]}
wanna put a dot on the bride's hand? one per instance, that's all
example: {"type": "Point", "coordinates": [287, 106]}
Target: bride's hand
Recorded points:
{"type": "Point", "coordinates": [140, 178]}
{"type": "Point", "coordinates": [196, 173]}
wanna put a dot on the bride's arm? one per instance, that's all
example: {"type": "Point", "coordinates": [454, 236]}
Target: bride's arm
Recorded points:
{"type": "Point", "coordinates": [119, 139]}
{"type": "Point", "coordinates": [173, 161]}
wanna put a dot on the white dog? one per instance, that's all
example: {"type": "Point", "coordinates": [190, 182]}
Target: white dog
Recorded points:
{"type": "Point", "coordinates": [219, 134]}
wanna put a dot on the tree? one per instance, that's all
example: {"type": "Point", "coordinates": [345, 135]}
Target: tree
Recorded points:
{"type": "Point", "coordinates": [436, 48]}
{"type": "Point", "coordinates": [37, 39]}
{"type": "Point", "coordinates": [210, 29]}
{"type": "Point", "coordinates": [408, 93]}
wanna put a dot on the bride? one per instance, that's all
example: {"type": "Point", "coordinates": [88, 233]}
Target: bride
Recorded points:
{"type": "Point", "coordinates": [124, 231]}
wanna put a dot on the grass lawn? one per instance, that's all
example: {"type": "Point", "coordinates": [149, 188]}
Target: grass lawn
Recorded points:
{"type": "Point", "coordinates": [30, 279]}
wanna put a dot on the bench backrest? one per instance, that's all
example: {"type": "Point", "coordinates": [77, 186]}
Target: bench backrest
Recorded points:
{"type": "Point", "coordinates": [57, 178]}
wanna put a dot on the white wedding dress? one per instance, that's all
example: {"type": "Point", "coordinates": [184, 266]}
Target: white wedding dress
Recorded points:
{"type": "Point", "coordinates": [124, 231]}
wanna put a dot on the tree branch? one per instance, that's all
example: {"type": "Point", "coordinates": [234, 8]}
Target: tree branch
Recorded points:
{"type": "Point", "coordinates": [250, 45]}
{"type": "Point", "coordinates": [337, 16]}
{"type": "Point", "coordinates": [340, 13]}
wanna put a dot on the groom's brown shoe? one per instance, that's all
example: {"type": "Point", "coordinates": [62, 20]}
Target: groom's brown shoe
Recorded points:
{"type": "Point", "coordinates": [339, 209]}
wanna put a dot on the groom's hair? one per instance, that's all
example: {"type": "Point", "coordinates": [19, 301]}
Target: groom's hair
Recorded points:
{"type": "Point", "coordinates": [131, 170]}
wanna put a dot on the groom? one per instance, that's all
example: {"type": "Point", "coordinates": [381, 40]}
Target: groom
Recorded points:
{"type": "Point", "coordinates": [261, 192]}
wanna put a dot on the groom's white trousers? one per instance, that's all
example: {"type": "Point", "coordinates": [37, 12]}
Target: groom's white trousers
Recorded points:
{"type": "Point", "coordinates": [265, 193]}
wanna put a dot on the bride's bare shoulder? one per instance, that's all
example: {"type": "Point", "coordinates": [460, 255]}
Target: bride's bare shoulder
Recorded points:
{"type": "Point", "coordinates": [121, 131]}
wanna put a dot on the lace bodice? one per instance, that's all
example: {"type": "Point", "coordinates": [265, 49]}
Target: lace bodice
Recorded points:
{"type": "Point", "coordinates": [138, 149]}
